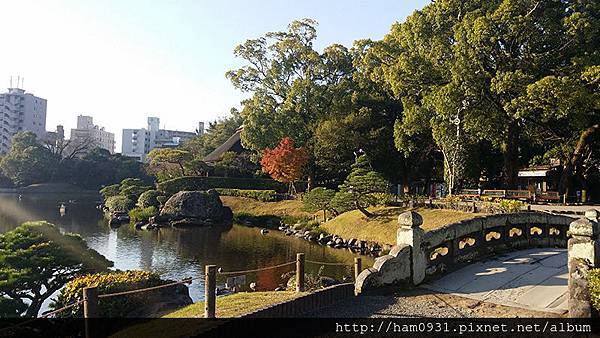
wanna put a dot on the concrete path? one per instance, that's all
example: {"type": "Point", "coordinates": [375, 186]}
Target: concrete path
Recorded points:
{"type": "Point", "coordinates": [533, 279]}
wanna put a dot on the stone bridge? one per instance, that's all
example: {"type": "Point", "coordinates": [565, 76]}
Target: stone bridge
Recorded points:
{"type": "Point", "coordinates": [421, 256]}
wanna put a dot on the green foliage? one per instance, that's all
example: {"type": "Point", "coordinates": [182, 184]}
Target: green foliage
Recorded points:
{"type": "Point", "coordinates": [362, 183]}
{"type": "Point", "coordinates": [149, 198]}
{"type": "Point", "coordinates": [120, 203]}
{"type": "Point", "coordinates": [36, 260]}
{"type": "Point", "coordinates": [594, 287]}
{"type": "Point", "coordinates": [259, 195]}
{"type": "Point", "coordinates": [342, 202]}
{"type": "Point", "coordinates": [133, 192]}
{"type": "Point", "coordinates": [318, 199]}
{"type": "Point", "coordinates": [28, 161]}
{"type": "Point", "coordinates": [109, 191]}
{"type": "Point", "coordinates": [170, 187]}
{"type": "Point", "coordinates": [142, 214]}
{"type": "Point", "coordinates": [114, 307]}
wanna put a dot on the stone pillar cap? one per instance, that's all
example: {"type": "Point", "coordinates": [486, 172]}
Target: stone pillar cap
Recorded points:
{"type": "Point", "coordinates": [584, 227]}
{"type": "Point", "coordinates": [592, 214]}
{"type": "Point", "coordinates": [411, 219]}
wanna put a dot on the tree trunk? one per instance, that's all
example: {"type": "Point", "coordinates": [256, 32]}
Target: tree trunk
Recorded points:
{"type": "Point", "coordinates": [567, 174]}
{"type": "Point", "coordinates": [34, 309]}
{"type": "Point", "coordinates": [363, 210]}
{"type": "Point", "coordinates": [511, 156]}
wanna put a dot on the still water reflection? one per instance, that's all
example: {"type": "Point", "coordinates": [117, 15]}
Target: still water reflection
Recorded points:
{"type": "Point", "coordinates": [174, 253]}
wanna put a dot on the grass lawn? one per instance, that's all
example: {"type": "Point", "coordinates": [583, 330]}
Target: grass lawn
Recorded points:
{"type": "Point", "coordinates": [383, 226]}
{"type": "Point", "coordinates": [236, 304]}
{"type": "Point", "coordinates": [257, 208]}
{"type": "Point", "coordinates": [227, 307]}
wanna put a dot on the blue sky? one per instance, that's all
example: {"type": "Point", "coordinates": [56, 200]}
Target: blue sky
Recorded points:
{"type": "Point", "coordinates": [121, 61]}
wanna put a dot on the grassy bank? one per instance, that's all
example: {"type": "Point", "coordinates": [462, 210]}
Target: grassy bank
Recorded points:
{"type": "Point", "coordinates": [383, 226]}
{"type": "Point", "coordinates": [236, 304]}
{"type": "Point", "coordinates": [353, 224]}
{"type": "Point", "coordinates": [257, 208]}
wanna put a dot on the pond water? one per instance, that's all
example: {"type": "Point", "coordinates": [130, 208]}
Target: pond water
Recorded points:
{"type": "Point", "coordinates": [176, 253]}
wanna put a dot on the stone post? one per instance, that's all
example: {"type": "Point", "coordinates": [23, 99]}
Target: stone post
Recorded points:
{"type": "Point", "coordinates": [409, 233]}
{"type": "Point", "coordinates": [584, 254]}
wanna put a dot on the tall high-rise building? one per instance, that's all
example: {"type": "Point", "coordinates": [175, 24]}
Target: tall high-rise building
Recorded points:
{"type": "Point", "coordinates": [87, 131]}
{"type": "Point", "coordinates": [20, 111]}
{"type": "Point", "coordinates": [139, 142]}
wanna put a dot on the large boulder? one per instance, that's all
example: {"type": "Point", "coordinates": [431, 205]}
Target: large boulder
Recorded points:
{"type": "Point", "coordinates": [194, 208]}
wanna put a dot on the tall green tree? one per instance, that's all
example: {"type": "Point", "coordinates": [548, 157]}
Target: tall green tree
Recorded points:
{"type": "Point", "coordinates": [292, 86]}
{"type": "Point", "coordinates": [28, 161]}
{"type": "Point", "coordinates": [469, 61]}
{"type": "Point", "coordinates": [36, 260]}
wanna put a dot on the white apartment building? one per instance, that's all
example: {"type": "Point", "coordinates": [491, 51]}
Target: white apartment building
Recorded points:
{"type": "Point", "coordinates": [20, 111]}
{"type": "Point", "coordinates": [87, 130]}
{"type": "Point", "coordinates": [138, 143]}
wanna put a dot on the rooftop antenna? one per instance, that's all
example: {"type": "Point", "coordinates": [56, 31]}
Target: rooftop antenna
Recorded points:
{"type": "Point", "coordinates": [11, 81]}
{"type": "Point", "coordinates": [18, 81]}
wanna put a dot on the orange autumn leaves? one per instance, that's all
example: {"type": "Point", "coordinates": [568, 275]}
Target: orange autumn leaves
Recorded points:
{"type": "Point", "coordinates": [285, 163]}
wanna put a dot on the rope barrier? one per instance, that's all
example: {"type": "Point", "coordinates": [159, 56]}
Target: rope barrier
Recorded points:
{"type": "Point", "coordinates": [328, 263]}
{"type": "Point", "coordinates": [231, 273]}
{"type": "Point", "coordinates": [185, 281]}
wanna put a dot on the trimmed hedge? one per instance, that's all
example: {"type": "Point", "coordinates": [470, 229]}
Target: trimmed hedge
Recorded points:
{"type": "Point", "coordinates": [594, 286]}
{"type": "Point", "coordinates": [149, 199]}
{"type": "Point", "coordinates": [191, 183]}
{"type": "Point", "coordinates": [259, 195]}
{"type": "Point", "coordinates": [120, 204]}
{"type": "Point", "coordinates": [111, 282]}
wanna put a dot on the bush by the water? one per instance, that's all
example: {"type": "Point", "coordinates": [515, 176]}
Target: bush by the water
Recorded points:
{"type": "Point", "coordinates": [142, 214]}
{"type": "Point", "coordinates": [121, 306]}
{"type": "Point", "coordinates": [110, 191]}
{"type": "Point", "coordinates": [190, 183]}
{"type": "Point", "coordinates": [594, 286]}
{"type": "Point", "coordinates": [259, 195]}
{"type": "Point", "coordinates": [149, 199]}
{"type": "Point", "coordinates": [119, 203]}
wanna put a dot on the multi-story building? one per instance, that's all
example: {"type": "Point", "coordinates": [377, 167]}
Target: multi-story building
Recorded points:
{"type": "Point", "coordinates": [20, 111]}
{"type": "Point", "coordinates": [139, 142]}
{"type": "Point", "coordinates": [87, 131]}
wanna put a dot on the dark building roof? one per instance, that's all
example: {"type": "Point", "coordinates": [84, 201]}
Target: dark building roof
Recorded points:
{"type": "Point", "coordinates": [233, 143]}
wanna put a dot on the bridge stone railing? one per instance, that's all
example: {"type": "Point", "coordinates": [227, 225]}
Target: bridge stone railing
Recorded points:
{"type": "Point", "coordinates": [420, 255]}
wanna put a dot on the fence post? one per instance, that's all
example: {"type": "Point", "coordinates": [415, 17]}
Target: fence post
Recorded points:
{"type": "Point", "coordinates": [210, 290]}
{"type": "Point", "coordinates": [299, 272]}
{"type": "Point", "coordinates": [90, 308]}
{"type": "Point", "coordinates": [357, 267]}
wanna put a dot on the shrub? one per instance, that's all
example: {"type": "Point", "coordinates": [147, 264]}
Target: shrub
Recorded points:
{"type": "Point", "coordinates": [133, 191]}
{"type": "Point", "coordinates": [110, 191]}
{"type": "Point", "coordinates": [318, 199]}
{"type": "Point", "coordinates": [162, 199]}
{"type": "Point", "coordinates": [259, 195]}
{"type": "Point", "coordinates": [594, 287]}
{"type": "Point", "coordinates": [120, 204]}
{"type": "Point", "coordinates": [175, 185]}
{"type": "Point", "coordinates": [121, 306]}
{"type": "Point", "coordinates": [149, 198]}
{"type": "Point", "coordinates": [142, 214]}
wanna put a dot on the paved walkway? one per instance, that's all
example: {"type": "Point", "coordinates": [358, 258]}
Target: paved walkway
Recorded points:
{"type": "Point", "coordinates": [532, 279]}
{"type": "Point", "coordinates": [528, 283]}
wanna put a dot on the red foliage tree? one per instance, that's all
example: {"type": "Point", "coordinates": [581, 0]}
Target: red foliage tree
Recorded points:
{"type": "Point", "coordinates": [285, 163]}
